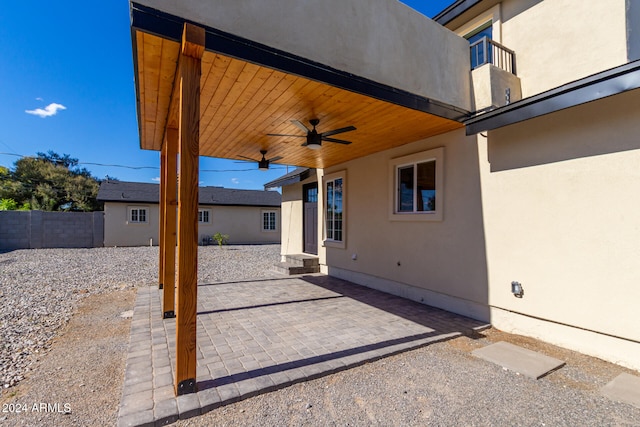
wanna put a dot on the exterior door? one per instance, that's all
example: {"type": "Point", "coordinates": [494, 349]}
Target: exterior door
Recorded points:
{"type": "Point", "coordinates": [310, 218]}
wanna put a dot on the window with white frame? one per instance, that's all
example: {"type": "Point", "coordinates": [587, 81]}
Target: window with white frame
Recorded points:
{"type": "Point", "coordinates": [334, 209]}
{"type": "Point", "coordinates": [417, 186]}
{"type": "Point", "coordinates": [204, 216]}
{"type": "Point", "coordinates": [137, 215]}
{"type": "Point", "coordinates": [269, 221]}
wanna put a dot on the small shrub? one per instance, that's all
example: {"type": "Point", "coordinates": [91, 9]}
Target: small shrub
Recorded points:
{"type": "Point", "coordinates": [221, 239]}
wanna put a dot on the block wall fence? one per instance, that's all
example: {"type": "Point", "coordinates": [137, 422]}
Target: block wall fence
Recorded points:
{"type": "Point", "coordinates": [38, 229]}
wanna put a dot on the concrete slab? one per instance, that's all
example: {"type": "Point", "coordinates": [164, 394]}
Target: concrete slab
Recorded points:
{"type": "Point", "coordinates": [526, 362]}
{"type": "Point", "coordinates": [624, 388]}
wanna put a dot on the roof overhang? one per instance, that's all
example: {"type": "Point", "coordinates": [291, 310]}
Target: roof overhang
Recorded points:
{"type": "Point", "coordinates": [454, 10]}
{"type": "Point", "coordinates": [249, 90]}
{"type": "Point", "coordinates": [293, 177]}
{"type": "Point", "coordinates": [601, 85]}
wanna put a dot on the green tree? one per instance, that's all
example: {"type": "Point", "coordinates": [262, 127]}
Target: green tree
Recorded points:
{"type": "Point", "coordinates": [50, 182]}
{"type": "Point", "coordinates": [8, 205]}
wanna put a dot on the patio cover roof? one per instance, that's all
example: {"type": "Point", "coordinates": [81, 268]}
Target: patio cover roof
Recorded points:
{"type": "Point", "coordinates": [249, 90]}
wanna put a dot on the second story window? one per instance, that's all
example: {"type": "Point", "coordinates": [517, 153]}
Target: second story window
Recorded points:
{"type": "Point", "coordinates": [480, 52]}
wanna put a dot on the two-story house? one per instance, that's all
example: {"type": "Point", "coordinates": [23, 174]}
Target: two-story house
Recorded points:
{"type": "Point", "coordinates": [484, 162]}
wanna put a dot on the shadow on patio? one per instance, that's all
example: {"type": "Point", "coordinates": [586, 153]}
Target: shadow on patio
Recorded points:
{"type": "Point", "coordinates": [259, 335]}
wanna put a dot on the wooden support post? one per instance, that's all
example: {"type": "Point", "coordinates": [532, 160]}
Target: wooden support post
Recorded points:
{"type": "Point", "coordinates": [169, 176]}
{"type": "Point", "coordinates": [161, 242]}
{"type": "Point", "coordinates": [189, 71]}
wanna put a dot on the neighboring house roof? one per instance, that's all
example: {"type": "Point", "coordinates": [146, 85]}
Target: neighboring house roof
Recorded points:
{"type": "Point", "coordinates": [140, 192]}
{"type": "Point", "coordinates": [297, 175]}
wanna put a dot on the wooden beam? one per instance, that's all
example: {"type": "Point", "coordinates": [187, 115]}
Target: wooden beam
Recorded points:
{"type": "Point", "coordinates": [169, 176]}
{"type": "Point", "coordinates": [189, 72]}
{"type": "Point", "coordinates": [161, 224]}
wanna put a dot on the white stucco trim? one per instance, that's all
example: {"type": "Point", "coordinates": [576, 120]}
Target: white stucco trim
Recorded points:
{"type": "Point", "coordinates": [492, 15]}
{"type": "Point", "coordinates": [436, 154]}
{"type": "Point", "coordinates": [340, 244]}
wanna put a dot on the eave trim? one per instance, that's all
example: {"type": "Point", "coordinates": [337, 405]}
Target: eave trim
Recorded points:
{"type": "Point", "coordinates": [289, 179]}
{"type": "Point", "coordinates": [597, 86]}
{"type": "Point", "coordinates": [454, 10]}
{"type": "Point", "coordinates": [149, 20]}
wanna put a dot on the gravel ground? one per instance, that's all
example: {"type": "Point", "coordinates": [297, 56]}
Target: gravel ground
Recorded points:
{"type": "Point", "coordinates": [80, 362]}
{"type": "Point", "coordinates": [40, 288]}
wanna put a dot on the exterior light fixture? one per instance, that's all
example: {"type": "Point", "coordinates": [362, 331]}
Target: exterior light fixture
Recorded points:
{"type": "Point", "coordinates": [517, 290]}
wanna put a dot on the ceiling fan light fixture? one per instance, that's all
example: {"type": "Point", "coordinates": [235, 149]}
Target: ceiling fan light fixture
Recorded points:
{"type": "Point", "coordinates": [314, 145]}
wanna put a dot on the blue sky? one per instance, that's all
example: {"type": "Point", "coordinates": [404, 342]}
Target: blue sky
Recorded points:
{"type": "Point", "coordinates": [66, 84]}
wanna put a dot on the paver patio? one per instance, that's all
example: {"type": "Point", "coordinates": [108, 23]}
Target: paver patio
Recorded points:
{"type": "Point", "coordinates": [260, 335]}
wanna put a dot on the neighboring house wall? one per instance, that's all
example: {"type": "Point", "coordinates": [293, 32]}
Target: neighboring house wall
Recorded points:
{"type": "Point", "coordinates": [243, 224]}
{"type": "Point", "coordinates": [37, 229]}
{"type": "Point", "coordinates": [119, 231]}
{"type": "Point", "coordinates": [558, 41]}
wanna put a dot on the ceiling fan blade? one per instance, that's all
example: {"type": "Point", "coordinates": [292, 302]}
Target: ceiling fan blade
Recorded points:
{"type": "Point", "coordinates": [337, 131]}
{"type": "Point", "coordinates": [339, 141]}
{"type": "Point", "coordinates": [275, 159]}
{"type": "Point", "coordinates": [248, 158]}
{"type": "Point", "coordinates": [281, 134]}
{"type": "Point", "coordinates": [301, 125]}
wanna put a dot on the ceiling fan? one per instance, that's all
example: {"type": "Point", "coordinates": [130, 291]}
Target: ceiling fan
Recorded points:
{"type": "Point", "coordinates": [263, 164]}
{"type": "Point", "coordinates": [314, 139]}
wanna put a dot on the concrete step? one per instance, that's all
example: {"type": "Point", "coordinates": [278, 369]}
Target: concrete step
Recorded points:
{"type": "Point", "coordinates": [302, 260]}
{"type": "Point", "coordinates": [293, 268]}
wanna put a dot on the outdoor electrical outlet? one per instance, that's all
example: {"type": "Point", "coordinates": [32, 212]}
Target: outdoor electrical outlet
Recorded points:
{"type": "Point", "coordinates": [354, 257]}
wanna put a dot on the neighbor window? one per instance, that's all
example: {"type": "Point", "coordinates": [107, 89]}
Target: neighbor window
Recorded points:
{"type": "Point", "coordinates": [269, 221]}
{"type": "Point", "coordinates": [417, 186]}
{"type": "Point", "coordinates": [334, 208]}
{"type": "Point", "coordinates": [204, 216]}
{"type": "Point", "coordinates": [137, 215]}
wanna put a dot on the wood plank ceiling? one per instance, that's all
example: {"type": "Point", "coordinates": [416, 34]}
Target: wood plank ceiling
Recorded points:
{"type": "Point", "coordinates": [242, 102]}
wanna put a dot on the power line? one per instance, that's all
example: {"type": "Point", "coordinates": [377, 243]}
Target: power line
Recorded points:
{"type": "Point", "coordinates": [146, 167]}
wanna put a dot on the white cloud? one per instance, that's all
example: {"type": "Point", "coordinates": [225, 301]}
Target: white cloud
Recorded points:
{"type": "Point", "coordinates": [39, 99]}
{"type": "Point", "coordinates": [235, 181]}
{"type": "Point", "coordinates": [49, 110]}
{"type": "Point", "coordinates": [156, 179]}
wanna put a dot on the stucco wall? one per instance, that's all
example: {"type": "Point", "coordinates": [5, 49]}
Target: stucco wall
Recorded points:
{"type": "Point", "coordinates": [560, 41]}
{"type": "Point", "coordinates": [243, 224]}
{"type": "Point", "coordinates": [560, 196]}
{"type": "Point", "coordinates": [292, 217]}
{"type": "Point", "coordinates": [292, 237]}
{"type": "Point", "coordinates": [445, 257]}
{"type": "Point", "coordinates": [382, 40]}
{"type": "Point", "coordinates": [551, 203]}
